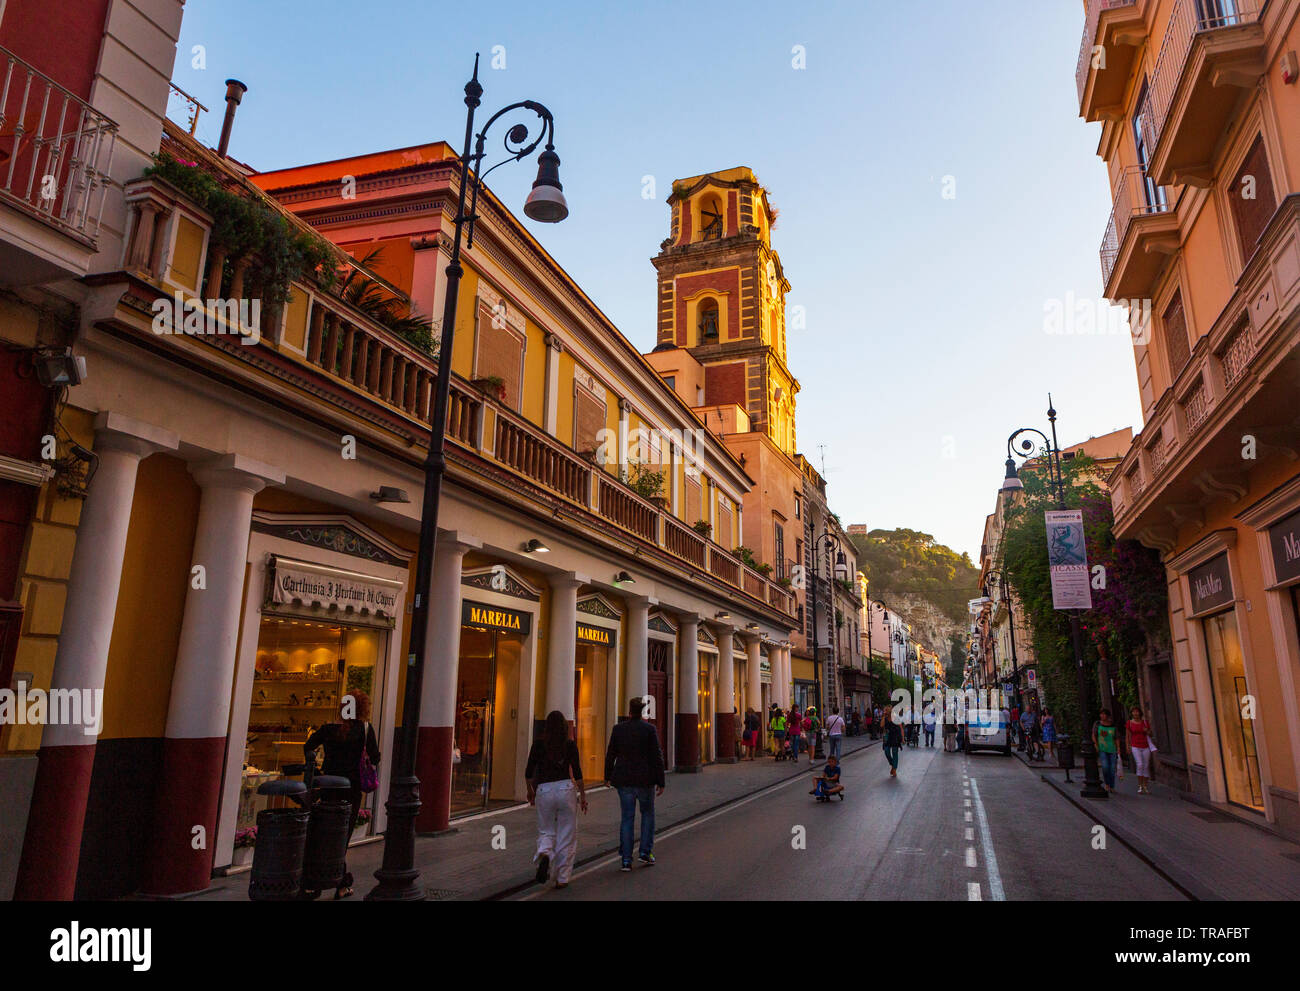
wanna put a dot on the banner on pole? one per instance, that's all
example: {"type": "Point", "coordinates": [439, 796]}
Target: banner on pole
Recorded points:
{"type": "Point", "coordinates": [1067, 559]}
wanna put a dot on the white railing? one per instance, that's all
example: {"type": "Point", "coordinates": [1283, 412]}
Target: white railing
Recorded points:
{"type": "Point", "coordinates": [1135, 196]}
{"type": "Point", "coordinates": [1089, 43]}
{"type": "Point", "coordinates": [55, 149]}
{"type": "Point", "coordinates": [1190, 18]}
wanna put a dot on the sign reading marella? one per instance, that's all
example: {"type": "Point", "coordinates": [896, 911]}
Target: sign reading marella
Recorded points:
{"type": "Point", "coordinates": [1067, 559]}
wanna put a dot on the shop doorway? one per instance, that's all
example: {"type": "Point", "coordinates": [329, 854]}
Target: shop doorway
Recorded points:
{"type": "Point", "coordinates": [304, 668]}
{"type": "Point", "coordinates": [486, 728]}
{"type": "Point", "coordinates": [1236, 734]}
{"type": "Point", "coordinates": [659, 662]}
{"type": "Point", "coordinates": [591, 706]}
{"type": "Point", "coordinates": [708, 745]}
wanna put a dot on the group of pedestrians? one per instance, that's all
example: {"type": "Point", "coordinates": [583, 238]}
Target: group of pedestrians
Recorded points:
{"type": "Point", "coordinates": [1139, 741]}
{"type": "Point", "coordinates": [634, 767]}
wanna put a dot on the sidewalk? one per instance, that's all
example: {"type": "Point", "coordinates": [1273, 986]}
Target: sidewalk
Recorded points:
{"type": "Point", "coordinates": [1210, 855]}
{"type": "Point", "coordinates": [463, 865]}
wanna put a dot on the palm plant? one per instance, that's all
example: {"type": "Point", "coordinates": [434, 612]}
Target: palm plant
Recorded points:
{"type": "Point", "coordinates": [377, 302]}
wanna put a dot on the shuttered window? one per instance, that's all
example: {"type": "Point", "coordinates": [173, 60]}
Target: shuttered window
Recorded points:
{"type": "Point", "coordinates": [499, 353]}
{"type": "Point", "coordinates": [1175, 328]}
{"type": "Point", "coordinates": [1253, 200]}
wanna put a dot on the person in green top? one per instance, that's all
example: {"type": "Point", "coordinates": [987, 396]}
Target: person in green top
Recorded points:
{"type": "Point", "coordinates": [777, 725]}
{"type": "Point", "coordinates": [1105, 740]}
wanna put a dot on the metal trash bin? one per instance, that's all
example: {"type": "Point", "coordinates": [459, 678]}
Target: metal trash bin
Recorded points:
{"type": "Point", "coordinates": [1065, 753]}
{"type": "Point", "coordinates": [276, 874]}
{"type": "Point", "coordinates": [328, 832]}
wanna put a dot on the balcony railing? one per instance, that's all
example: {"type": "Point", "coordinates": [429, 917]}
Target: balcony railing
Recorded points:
{"type": "Point", "coordinates": [350, 352]}
{"type": "Point", "coordinates": [1095, 10]}
{"type": "Point", "coordinates": [1196, 407]}
{"type": "Point", "coordinates": [1135, 196]}
{"type": "Point", "coordinates": [56, 151]}
{"type": "Point", "coordinates": [1190, 18]}
{"type": "Point", "coordinates": [1236, 354]}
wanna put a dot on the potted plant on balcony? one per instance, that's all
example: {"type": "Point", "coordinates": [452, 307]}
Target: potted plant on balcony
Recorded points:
{"type": "Point", "coordinates": [764, 569]}
{"type": "Point", "coordinates": [703, 527]}
{"type": "Point", "coordinates": [363, 825]}
{"type": "Point", "coordinates": [645, 481]}
{"type": "Point", "coordinates": [491, 385]}
{"type": "Point", "coordinates": [746, 557]}
{"type": "Point", "coordinates": [245, 841]}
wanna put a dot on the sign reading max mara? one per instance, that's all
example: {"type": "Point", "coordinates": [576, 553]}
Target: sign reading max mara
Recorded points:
{"type": "Point", "coordinates": [1211, 585]}
{"type": "Point", "coordinates": [315, 584]}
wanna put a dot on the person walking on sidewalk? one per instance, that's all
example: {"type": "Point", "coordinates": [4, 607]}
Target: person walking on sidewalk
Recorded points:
{"type": "Point", "coordinates": [893, 740]}
{"type": "Point", "coordinates": [777, 726]}
{"type": "Point", "coordinates": [812, 731]}
{"type": "Point", "coordinates": [1105, 740]}
{"type": "Point", "coordinates": [794, 732]}
{"type": "Point", "coordinates": [751, 732]}
{"type": "Point", "coordinates": [554, 779]}
{"type": "Point", "coordinates": [634, 764]}
{"type": "Point", "coordinates": [1141, 746]}
{"type": "Point", "coordinates": [878, 726]}
{"type": "Point", "coordinates": [1049, 733]}
{"type": "Point", "coordinates": [346, 743]}
{"type": "Point", "coordinates": [927, 719]}
{"type": "Point", "coordinates": [835, 733]}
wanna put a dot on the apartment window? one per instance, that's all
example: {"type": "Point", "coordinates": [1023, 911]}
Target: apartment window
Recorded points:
{"type": "Point", "coordinates": [1175, 328]}
{"type": "Point", "coordinates": [779, 563]}
{"type": "Point", "coordinates": [672, 382]}
{"type": "Point", "coordinates": [1217, 13]}
{"type": "Point", "coordinates": [798, 507]}
{"type": "Point", "coordinates": [589, 413]}
{"type": "Point", "coordinates": [1252, 198]}
{"type": "Point", "coordinates": [499, 353]}
{"type": "Point", "coordinates": [1143, 128]}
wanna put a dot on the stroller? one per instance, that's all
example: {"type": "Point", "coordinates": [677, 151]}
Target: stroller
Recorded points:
{"type": "Point", "coordinates": [783, 749]}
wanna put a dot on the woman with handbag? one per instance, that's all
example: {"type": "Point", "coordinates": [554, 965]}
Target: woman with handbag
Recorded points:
{"type": "Point", "coordinates": [1141, 746]}
{"type": "Point", "coordinates": [352, 752]}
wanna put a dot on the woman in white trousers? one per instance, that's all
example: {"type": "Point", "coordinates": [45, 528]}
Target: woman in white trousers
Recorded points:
{"type": "Point", "coordinates": [555, 786]}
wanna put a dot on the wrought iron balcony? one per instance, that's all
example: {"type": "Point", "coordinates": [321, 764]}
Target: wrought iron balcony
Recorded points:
{"type": "Point", "coordinates": [56, 151]}
{"type": "Point", "coordinates": [1112, 33]}
{"type": "Point", "coordinates": [1137, 259]}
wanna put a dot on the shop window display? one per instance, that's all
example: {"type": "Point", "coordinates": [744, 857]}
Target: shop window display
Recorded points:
{"type": "Point", "coordinates": [304, 669]}
{"type": "Point", "coordinates": [1236, 734]}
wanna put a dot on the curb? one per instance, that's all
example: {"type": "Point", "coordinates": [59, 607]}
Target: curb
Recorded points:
{"type": "Point", "coordinates": [601, 854]}
{"type": "Point", "coordinates": [1188, 886]}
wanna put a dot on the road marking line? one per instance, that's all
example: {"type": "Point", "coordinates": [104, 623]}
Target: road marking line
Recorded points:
{"type": "Point", "coordinates": [973, 891]}
{"type": "Point", "coordinates": [970, 833]}
{"type": "Point", "coordinates": [990, 858]}
{"type": "Point", "coordinates": [970, 857]}
{"type": "Point", "coordinates": [966, 801]}
{"type": "Point", "coordinates": [968, 817]}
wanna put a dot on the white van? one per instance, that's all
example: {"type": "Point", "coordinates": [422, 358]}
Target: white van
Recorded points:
{"type": "Point", "coordinates": [987, 729]}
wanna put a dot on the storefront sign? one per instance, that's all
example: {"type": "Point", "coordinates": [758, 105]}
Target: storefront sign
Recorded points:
{"type": "Point", "coordinates": [594, 634]}
{"type": "Point", "coordinates": [1284, 539]}
{"type": "Point", "coordinates": [317, 585]}
{"type": "Point", "coordinates": [764, 668]}
{"type": "Point", "coordinates": [486, 617]}
{"type": "Point", "coordinates": [1067, 559]}
{"type": "Point", "coordinates": [1211, 585]}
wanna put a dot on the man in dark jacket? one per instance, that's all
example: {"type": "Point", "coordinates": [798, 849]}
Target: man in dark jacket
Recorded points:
{"type": "Point", "coordinates": [634, 764]}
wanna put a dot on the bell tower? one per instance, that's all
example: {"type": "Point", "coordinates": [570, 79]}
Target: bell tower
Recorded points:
{"type": "Point", "coordinates": [722, 297]}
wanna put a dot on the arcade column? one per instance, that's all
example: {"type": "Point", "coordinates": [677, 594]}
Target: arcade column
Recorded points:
{"type": "Point", "coordinates": [724, 710]}
{"type": "Point", "coordinates": [48, 869]}
{"type": "Point", "coordinates": [198, 713]}
{"type": "Point", "coordinates": [688, 699]}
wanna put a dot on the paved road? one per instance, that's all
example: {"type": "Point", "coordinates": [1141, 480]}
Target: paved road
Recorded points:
{"type": "Point", "coordinates": [949, 827]}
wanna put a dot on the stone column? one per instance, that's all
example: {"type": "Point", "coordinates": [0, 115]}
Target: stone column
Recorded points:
{"type": "Point", "coordinates": [561, 643]}
{"type": "Point", "coordinates": [754, 677]}
{"type": "Point", "coordinates": [48, 869]}
{"type": "Point", "coordinates": [688, 694]}
{"type": "Point", "coordinates": [198, 713]}
{"type": "Point", "coordinates": [438, 689]}
{"type": "Point", "coordinates": [638, 650]}
{"type": "Point", "coordinates": [724, 708]}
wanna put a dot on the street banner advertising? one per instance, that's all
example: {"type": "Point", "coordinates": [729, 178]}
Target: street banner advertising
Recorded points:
{"type": "Point", "coordinates": [1067, 559]}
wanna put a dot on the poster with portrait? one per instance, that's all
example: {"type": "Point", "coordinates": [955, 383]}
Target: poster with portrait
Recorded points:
{"type": "Point", "coordinates": [1067, 559]}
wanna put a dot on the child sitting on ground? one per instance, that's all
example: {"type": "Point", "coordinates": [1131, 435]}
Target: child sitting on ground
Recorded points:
{"type": "Point", "coordinates": [827, 783]}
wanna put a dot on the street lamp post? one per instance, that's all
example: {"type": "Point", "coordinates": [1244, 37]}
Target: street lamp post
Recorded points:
{"type": "Point", "coordinates": [871, 671]}
{"type": "Point", "coordinates": [1056, 480]}
{"type": "Point", "coordinates": [397, 875]}
{"type": "Point", "coordinates": [841, 571]}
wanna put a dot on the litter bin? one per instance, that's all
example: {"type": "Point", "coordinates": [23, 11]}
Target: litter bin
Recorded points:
{"type": "Point", "coordinates": [1065, 753]}
{"type": "Point", "coordinates": [328, 831]}
{"type": "Point", "coordinates": [276, 875]}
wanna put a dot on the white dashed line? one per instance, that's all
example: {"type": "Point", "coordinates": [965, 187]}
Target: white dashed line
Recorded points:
{"type": "Point", "coordinates": [968, 817]}
{"type": "Point", "coordinates": [990, 858]}
{"type": "Point", "coordinates": [970, 833]}
{"type": "Point", "coordinates": [970, 857]}
{"type": "Point", "coordinates": [973, 891]}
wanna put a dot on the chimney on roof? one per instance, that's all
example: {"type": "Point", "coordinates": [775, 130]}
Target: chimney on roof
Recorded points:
{"type": "Point", "coordinates": [235, 91]}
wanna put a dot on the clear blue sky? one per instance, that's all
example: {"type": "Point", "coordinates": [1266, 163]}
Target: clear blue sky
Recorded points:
{"type": "Point", "coordinates": [925, 343]}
